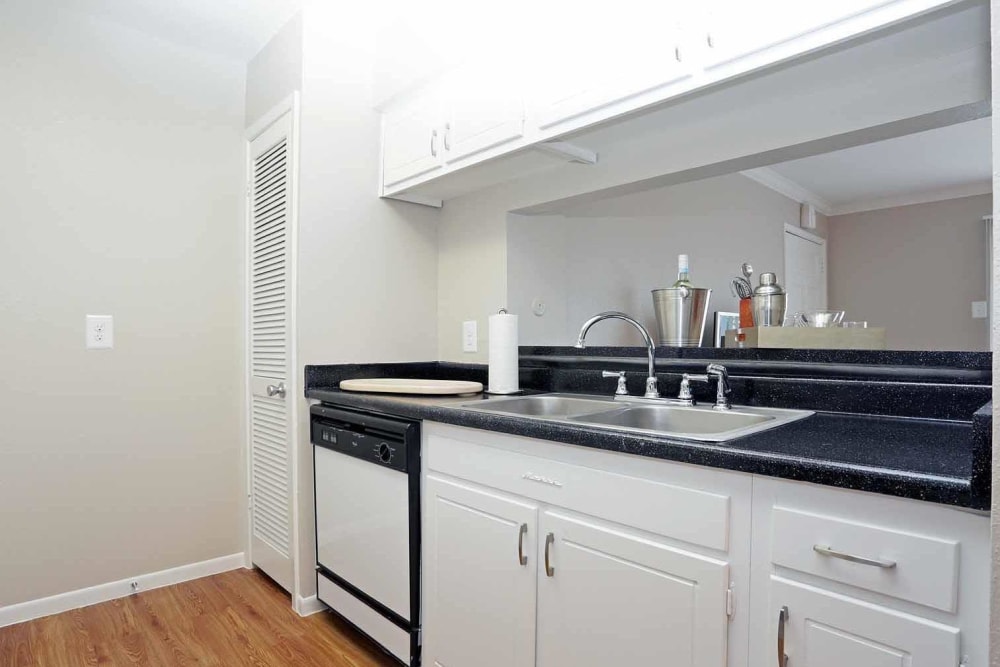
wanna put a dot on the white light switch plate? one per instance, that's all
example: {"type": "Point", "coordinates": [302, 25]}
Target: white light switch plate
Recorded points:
{"type": "Point", "coordinates": [979, 310]}
{"type": "Point", "coordinates": [100, 332]}
{"type": "Point", "coordinates": [470, 336]}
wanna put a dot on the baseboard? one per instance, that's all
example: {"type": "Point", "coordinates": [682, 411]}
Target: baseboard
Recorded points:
{"type": "Point", "coordinates": [84, 597]}
{"type": "Point", "coordinates": [308, 606]}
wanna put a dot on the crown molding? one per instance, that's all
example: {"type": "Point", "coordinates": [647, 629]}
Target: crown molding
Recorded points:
{"type": "Point", "coordinates": [769, 178]}
{"type": "Point", "coordinates": [924, 197]}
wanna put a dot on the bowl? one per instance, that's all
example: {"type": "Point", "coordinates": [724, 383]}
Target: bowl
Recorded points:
{"type": "Point", "coordinates": [819, 318]}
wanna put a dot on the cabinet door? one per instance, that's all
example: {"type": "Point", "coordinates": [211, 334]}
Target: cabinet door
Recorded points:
{"type": "Point", "coordinates": [615, 598]}
{"type": "Point", "coordinates": [823, 629]}
{"type": "Point", "coordinates": [740, 29]}
{"type": "Point", "coordinates": [412, 144]}
{"type": "Point", "coordinates": [485, 109]}
{"type": "Point", "coordinates": [600, 59]}
{"type": "Point", "coordinates": [479, 594]}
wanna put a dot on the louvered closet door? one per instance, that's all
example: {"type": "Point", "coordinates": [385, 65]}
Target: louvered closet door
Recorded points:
{"type": "Point", "coordinates": [270, 352]}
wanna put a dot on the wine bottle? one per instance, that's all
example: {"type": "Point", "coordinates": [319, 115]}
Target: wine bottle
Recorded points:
{"type": "Point", "coordinates": [683, 272]}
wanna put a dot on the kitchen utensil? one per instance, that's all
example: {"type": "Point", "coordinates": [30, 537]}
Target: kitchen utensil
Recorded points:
{"type": "Point", "coordinates": [680, 315]}
{"type": "Point", "coordinates": [747, 270]}
{"type": "Point", "coordinates": [742, 288]}
{"type": "Point", "coordinates": [768, 302]}
{"type": "Point", "coordinates": [819, 318]}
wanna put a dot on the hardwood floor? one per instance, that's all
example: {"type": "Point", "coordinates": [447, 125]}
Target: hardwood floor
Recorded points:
{"type": "Point", "coordinates": [232, 619]}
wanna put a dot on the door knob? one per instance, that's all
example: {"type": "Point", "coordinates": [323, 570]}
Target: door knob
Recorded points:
{"type": "Point", "coordinates": [276, 390]}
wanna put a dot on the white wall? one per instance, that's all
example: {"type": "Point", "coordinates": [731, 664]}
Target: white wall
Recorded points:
{"type": "Point", "coordinates": [608, 255]}
{"type": "Point", "coordinates": [367, 267]}
{"type": "Point", "coordinates": [914, 270]}
{"type": "Point", "coordinates": [275, 72]}
{"type": "Point", "coordinates": [123, 196]}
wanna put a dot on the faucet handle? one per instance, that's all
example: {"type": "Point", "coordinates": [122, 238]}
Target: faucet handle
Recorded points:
{"type": "Point", "coordinates": [622, 390]}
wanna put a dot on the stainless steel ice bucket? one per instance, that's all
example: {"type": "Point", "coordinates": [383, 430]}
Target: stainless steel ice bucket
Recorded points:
{"type": "Point", "coordinates": [680, 315]}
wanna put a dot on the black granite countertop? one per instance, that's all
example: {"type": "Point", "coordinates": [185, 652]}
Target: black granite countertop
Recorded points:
{"type": "Point", "coordinates": [914, 458]}
{"type": "Point", "coordinates": [943, 460]}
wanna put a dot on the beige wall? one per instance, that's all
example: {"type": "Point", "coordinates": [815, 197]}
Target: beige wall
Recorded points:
{"type": "Point", "coordinates": [367, 267]}
{"type": "Point", "coordinates": [122, 197]}
{"type": "Point", "coordinates": [608, 255]}
{"type": "Point", "coordinates": [915, 270]}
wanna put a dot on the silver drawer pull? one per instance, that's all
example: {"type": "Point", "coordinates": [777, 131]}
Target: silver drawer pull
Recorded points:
{"type": "Point", "coordinates": [874, 562]}
{"type": "Point", "coordinates": [521, 558]}
{"type": "Point", "coordinates": [782, 620]}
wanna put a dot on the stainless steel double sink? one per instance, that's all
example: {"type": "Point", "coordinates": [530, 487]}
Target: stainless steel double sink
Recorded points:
{"type": "Point", "coordinates": [698, 422]}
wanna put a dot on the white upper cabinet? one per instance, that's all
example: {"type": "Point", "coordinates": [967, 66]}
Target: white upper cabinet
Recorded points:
{"type": "Point", "coordinates": [412, 144]}
{"type": "Point", "coordinates": [611, 596]}
{"type": "Point", "coordinates": [562, 67]}
{"type": "Point", "coordinates": [598, 59]}
{"type": "Point", "coordinates": [484, 109]}
{"type": "Point", "coordinates": [735, 29]}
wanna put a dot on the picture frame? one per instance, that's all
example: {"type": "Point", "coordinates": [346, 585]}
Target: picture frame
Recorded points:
{"type": "Point", "coordinates": [724, 322]}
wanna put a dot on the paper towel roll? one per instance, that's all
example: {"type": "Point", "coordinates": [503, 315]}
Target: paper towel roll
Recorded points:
{"type": "Point", "coordinates": [503, 353]}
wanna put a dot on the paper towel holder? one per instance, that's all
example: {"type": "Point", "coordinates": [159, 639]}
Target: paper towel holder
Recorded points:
{"type": "Point", "coordinates": [515, 392]}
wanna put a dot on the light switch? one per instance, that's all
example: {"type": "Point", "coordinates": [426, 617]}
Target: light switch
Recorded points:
{"type": "Point", "coordinates": [980, 310]}
{"type": "Point", "coordinates": [470, 336]}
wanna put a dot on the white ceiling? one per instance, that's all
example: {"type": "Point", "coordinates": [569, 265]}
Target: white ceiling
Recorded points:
{"type": "Point", "coordinates": [938, 164]}
{"type": "Point", "coordinates": [232, 28]}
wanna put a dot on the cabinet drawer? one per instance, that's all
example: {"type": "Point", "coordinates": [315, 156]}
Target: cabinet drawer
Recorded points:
{"type": "Point", "coordinates": [903, 565]}
{"type": "Point", "coordinates": [692, 516]}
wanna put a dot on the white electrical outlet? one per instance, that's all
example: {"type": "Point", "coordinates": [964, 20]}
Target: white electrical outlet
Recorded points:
{"type": "Point", "coordinates": [470, 336]}
{"type": "Point", "coordinates": [979, 310]}
{"type": "Point", "coordinates": [100, 332]}
{"type": "Point", "coordinates": [538, 306]}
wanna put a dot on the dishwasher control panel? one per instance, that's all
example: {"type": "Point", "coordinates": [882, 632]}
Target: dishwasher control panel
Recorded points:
{"type": "Point", "coordinates": [375, 439]}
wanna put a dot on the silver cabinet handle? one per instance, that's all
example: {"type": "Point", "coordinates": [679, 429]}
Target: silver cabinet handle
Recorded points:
{"type": "Point", "coordinates": [276, 390]}
{"type": "Point", "coordinates": [677, 53]}
{"type": "Point", "coordinates": [830, 552]}
{"type": "Point", "coordinates": [710, 41]}
{"type": "Point", "coordinates": [434, 136]}
{"type": "Point", "coordinates": [521, 558]}
{"type": "Point", "coordinates": [549, 539]}
{"type": "Point", "coordinates": [447, 136]}
{"type": "Point", "coordinates": [782, 619]}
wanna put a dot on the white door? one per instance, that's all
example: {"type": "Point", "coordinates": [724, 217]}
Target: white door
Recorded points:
{"type": "Point", "coordinates": [610, 597]}
{"type": "Point", "coordinates": [805, 271]}
{"type": "Point", "coordinates": [823, 629]}
{"type": "Point", "coordinates": [270, 354]}
{"type": "Point", "coordinates": [479, 578]}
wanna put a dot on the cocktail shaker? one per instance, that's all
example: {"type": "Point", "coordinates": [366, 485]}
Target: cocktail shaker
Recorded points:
{"type": "Point", "coordinates": [768, 302]}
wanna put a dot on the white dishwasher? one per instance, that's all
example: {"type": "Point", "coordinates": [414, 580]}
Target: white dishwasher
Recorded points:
{"type": "Point", "coordinates": [367, 490]}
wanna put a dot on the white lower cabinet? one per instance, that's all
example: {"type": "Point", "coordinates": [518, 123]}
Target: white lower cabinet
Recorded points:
{"type": "Point", "coordinates": [479, 592]}
{"type": "Point", "coordinates": [549, 555]}
{"type": "Point", "coordinates": [817, 628]}
{"type": "Point", "coordinates": [607, 596]}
